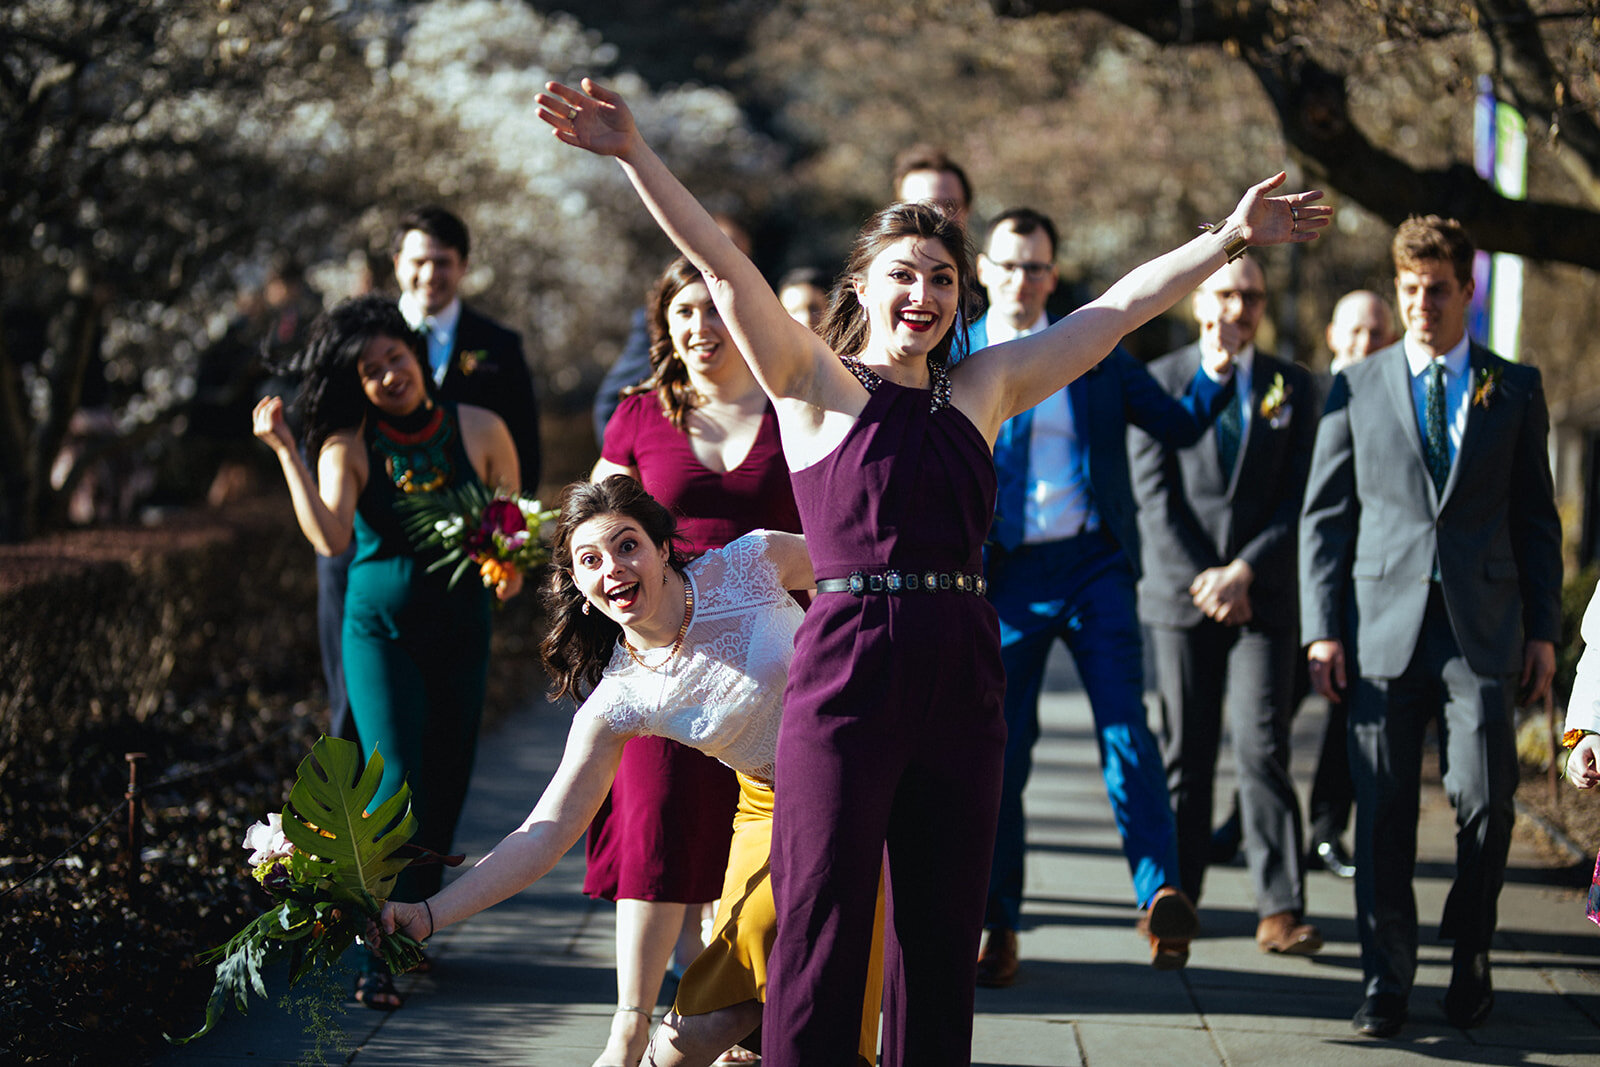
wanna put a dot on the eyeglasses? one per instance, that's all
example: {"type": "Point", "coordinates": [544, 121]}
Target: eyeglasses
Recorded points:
{"type": "Point", "coordinates": [1034, 272]}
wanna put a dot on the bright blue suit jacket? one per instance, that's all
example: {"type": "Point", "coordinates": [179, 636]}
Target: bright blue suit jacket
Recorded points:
{"type": "Point", "coordinates": [1105, 399]}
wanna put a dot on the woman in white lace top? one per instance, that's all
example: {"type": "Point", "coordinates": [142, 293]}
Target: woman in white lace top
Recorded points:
{"type": "Point", "coordinates": [695, 651]}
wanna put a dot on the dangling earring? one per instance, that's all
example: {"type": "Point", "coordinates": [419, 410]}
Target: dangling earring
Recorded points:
{"type": "Point", "coordinates": [586, 607]}
{"type": "Point", "coordinates": [663, 578]}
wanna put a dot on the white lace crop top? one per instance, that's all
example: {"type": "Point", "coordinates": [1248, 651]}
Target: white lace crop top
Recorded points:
{"type": "Point", "coordinates": [723, 692]}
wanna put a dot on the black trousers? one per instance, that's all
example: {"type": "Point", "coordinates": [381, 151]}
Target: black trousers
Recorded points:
{"type": "Point", "coordinates": [1478, 758]}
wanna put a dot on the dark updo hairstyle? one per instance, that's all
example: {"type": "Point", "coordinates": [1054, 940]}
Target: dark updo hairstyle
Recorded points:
{"type": "Point", "coordinates": [669, 377]}
{"type": "Point", "coordinates": [330, 397]}
{"type": "Point", "coordinates": [578, 646]}
{"type": "Point", "coordinates": [845, 327]}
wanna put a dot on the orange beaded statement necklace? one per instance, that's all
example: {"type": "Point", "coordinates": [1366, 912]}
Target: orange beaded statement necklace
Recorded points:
{"type": "Point", "coordinates": [677, 642]}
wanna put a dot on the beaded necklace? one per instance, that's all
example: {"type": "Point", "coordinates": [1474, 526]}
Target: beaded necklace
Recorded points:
{"type": "Point", "coordinates": [940, 384]}
{"type": "Point", "coordinates": [677, 642]}
{"type": "Point", "coordinates": [417, 460]}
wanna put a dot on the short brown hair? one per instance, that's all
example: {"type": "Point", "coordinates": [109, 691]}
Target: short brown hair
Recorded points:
{"type": "Point", "coordinates": [929, 157]}
{"type": "Point", "coordinates": [1423, 238]}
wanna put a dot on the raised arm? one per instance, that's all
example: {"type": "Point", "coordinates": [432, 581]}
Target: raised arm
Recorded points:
{"type": "Point", "coordinates": [324, 504]}
{"type": "Point", "coordinates": [1008, 379]}
{"type": "Point", "coordinates": [527, 854]}
{"type": "Point", "coordinates": [784, 355]}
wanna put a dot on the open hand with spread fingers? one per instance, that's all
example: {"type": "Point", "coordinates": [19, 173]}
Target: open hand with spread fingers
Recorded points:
{"type": "Point", "coordinates": [1269, 220]}
{"type": "Point", "coordinates": [592, 118]}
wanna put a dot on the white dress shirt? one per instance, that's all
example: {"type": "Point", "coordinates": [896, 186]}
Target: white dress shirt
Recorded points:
{"type": "Point", "coordinates": [440, 330]}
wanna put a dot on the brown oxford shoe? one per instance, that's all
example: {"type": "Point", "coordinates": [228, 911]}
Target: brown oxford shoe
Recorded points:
{"type": "Point", "coordinates": [997, 963]}
{"type": "Point", "coordinates": [1170, 924]}
{"type": "Point", "coordinates": [1283, 932]}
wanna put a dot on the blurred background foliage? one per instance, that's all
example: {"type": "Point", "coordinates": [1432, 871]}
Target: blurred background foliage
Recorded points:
{"type": "Point", "coordinates": [163, 158]}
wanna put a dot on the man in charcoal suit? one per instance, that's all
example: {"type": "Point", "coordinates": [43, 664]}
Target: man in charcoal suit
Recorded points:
{"type": "Point", "coordinates": [1430, 588]}
{"type": "Point", "coordinates": [1217, 520]}
{"type": "Point", "coordinates": [1062, 562]}
{"type": "Point", "coordinates": [471, 358]}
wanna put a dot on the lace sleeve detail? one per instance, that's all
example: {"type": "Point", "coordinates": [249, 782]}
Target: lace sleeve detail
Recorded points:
{"type": "Point", "coordinates": [617, 702]}
{"type": "Point", "coordinates": [739, 575]}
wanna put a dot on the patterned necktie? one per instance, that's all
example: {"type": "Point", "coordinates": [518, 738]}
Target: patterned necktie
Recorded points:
{"type": "Point", "coordinates": [1438, 443]}
{"type": "Point", "coordinates": [1229, 429]}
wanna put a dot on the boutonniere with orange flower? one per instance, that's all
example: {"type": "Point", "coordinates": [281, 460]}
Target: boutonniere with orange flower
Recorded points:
{"type": "Point", "coordinates": [472, 360]}
{"type": "Point", "coordinates": [1275, 407]}
{"type": "Point", "coordinates": [1483, 389]}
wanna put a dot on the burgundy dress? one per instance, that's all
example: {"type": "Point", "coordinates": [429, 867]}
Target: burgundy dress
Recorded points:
{"type": "Point", "coordinates": [663, 832]}
{"type": "Point", "coordinates": [892, 734]}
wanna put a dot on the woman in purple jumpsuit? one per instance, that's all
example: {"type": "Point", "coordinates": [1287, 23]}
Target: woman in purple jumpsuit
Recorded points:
{"type": "Point", "coordinates": [892, 736]}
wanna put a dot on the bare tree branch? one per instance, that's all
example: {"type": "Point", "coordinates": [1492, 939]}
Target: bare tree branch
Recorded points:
{"type": "Point", "coordinates": [1312, 105]}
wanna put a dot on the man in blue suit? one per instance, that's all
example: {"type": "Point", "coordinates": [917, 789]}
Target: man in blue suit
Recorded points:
{"type": "Point", "coordinates": [1062, 563]}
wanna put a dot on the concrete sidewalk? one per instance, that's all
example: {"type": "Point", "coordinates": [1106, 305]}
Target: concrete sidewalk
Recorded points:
{"type": "Point", "coordinates": [530, 982]}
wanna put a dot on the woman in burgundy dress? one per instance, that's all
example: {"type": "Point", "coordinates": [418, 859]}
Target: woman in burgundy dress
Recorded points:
{"type": "Point", "coordinates": [701, 437]}
{"type": "Point", "coordinates": [892, 733]}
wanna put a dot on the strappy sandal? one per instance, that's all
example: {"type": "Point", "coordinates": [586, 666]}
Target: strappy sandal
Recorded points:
{"type": "Point", "coordinates": [376, 990]}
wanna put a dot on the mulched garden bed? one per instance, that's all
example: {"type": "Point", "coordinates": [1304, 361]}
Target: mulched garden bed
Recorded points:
{"type": "Point", "coordinates": [195, 644]}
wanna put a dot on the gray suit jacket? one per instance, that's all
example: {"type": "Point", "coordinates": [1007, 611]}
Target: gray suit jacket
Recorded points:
{"type": "Point", "coordinates": [1373, 522]}
{"type": "Point", "coordinates": [1192, 517]}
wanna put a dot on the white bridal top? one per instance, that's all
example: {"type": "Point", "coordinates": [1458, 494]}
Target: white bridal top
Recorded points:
{"type": "Point", "coordinates": [722, 693]}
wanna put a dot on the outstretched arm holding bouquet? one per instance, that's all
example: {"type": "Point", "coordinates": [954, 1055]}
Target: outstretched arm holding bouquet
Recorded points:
{"type": "Point", "coordinates": [694, 651]}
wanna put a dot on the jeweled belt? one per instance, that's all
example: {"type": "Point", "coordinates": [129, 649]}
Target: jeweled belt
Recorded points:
{"type": "Point", "coordinates": [860, 583]}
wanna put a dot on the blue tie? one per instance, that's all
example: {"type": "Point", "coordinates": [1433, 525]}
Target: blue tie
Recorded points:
{"type": "Point", "coordinates": [1229, 431]}
{"type": "Point", "coordinates": [1011, 470]}
{"type": "Point", "coordinates": [1438, 441]}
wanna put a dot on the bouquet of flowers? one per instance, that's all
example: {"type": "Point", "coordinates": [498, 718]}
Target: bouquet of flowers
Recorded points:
{"type": "Point", "coordinates": [501, 533]}
{"type": "Point", "coordinates": [328, 866]}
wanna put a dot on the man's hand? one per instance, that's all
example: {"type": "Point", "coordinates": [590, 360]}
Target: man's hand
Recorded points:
{"type": "Point", "coordinates": [1583, 765]}
{"type": "Point", "coordinates": [1538, 669]}
{"type": "Point", "coordinates": [1326, 662]}
{"type": "Point", "coordinates": [1223, 593]}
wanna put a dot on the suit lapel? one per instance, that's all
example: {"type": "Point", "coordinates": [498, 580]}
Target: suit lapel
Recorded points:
{"type": "Point", "coordinates": [1477, 360]}
{"type": "Point", "coordinates": [1397, 383]}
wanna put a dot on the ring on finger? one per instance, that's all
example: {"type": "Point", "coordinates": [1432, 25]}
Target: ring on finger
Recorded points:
{"type": "Point", "coordinates": [1294, 213]}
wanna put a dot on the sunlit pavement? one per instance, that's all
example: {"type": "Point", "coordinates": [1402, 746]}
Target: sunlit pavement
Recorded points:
{"type": "Point", "coordinates": [530, 981]}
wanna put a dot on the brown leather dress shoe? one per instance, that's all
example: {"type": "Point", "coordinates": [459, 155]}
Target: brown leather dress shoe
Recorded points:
{"type": "Point", "coordinates": [997, 963]}
{"type": "Point", "coordinates": [1170, 924]}
{"type": "Point", "coordinates": [1284, 932]}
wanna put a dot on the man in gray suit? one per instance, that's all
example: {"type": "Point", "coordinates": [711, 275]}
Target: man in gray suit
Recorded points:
{"type": "Point", "coordinates": [1430, 582]}
{"type": "Point", "coordinates": [1217, 522]}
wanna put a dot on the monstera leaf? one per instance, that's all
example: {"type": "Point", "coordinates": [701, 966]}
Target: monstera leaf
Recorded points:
{"type": "Point", "coordinates": [327, 817]}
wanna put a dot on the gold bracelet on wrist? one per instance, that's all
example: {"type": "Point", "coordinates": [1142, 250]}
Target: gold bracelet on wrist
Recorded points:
{"type": "Point", "coordinates": [1236, 245]}
{"type": "Point", "coordinates": [1571, 738]}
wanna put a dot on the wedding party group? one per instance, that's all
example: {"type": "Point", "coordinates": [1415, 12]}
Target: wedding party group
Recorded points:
{"type": "Point", "coordinates": [804, 602]}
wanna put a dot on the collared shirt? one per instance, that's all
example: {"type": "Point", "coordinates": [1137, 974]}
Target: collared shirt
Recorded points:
{"type": "Point", "coordinates": [1058, 502]}
{"type": "Point", "coordinates": [1457, 389]}
{"type": "Point", "coordinates": [440, 330]}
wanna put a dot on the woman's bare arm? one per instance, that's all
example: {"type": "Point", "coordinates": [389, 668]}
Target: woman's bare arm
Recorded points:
{"type": "Point", "coordinates": [1011, 378]}
{"type": "Point", "coordinates": [785, 356]}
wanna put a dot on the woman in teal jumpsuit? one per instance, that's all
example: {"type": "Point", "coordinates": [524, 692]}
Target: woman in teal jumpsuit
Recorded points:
{"type": "Point", "coordinates": [415, 651]}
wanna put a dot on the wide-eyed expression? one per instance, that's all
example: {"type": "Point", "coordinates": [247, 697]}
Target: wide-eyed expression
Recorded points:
{"type": "Point", "coordinates": [391, 376]}
{"type": "Point", "coordinates": [617, 568]}
{"type": "Point", "coordinates": [698, 335]}
{"type": "Point", "coordinates": [1433, 304]}
{"type": "Point", "coordinates": [910, 294]}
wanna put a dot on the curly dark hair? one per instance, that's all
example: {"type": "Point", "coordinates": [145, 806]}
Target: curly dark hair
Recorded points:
{"type": "Point", "coordinates": [330, 397]}
{"type": "Point", "coordinates": [669, 378]}
{"type": "Point", "coordinates": [845, 327]}
{"type": "Point", "coordinates": [578, 646]}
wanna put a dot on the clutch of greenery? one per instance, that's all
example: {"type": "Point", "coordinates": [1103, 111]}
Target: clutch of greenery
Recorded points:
{"type": "Point", "coordinates": [469, 525]}
{"type": "Point", "coordinates": [329, 867]}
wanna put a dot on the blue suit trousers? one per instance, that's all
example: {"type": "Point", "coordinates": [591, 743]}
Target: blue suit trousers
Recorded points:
{"type": "Point", "coordinates": [1079, 590]}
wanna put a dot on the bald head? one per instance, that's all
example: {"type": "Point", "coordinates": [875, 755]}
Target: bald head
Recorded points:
{"type": "Point", "coordinates": [1361, 324]}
